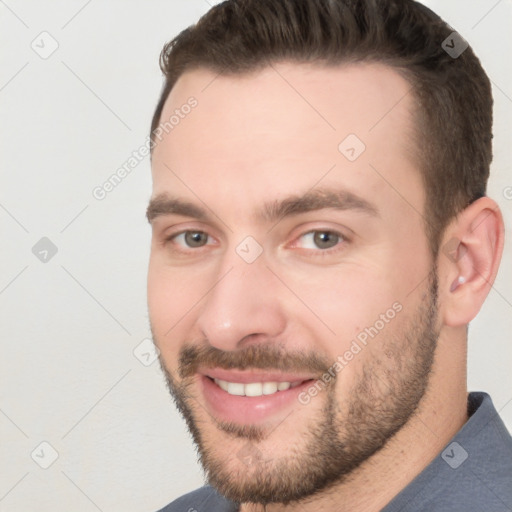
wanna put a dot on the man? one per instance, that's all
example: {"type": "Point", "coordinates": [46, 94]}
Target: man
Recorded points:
{"type": "Point", "coordinates": [321, 240]}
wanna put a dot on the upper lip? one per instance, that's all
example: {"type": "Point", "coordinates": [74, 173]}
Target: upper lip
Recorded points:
{"type": "Point", "coordinates": [247, 376]}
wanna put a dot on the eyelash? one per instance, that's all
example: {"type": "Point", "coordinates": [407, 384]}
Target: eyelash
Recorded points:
{"type": "Point", "coordinates": [173, 237]}
{"type": "Point", "coordinates": [320, 253]}
{"type": "Point", "coordinates": [314, 252]}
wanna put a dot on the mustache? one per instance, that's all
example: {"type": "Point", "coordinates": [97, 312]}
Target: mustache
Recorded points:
{"type": "Point", "coordinates": [261, 357]}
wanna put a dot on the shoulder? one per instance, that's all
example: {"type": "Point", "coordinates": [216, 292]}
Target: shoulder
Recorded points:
{"type": "Point", "coordinates": [205, 499]}
{"type": "Point", "coordinates": [472, 473]}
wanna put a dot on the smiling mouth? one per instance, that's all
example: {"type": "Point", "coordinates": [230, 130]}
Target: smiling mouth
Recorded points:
{"type": "Point", "coordinates": [254, 389]}
{"type": "Point", "coordinates": [251, 397]}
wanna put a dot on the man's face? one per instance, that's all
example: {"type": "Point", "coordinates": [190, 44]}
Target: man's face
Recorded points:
{"type": "Point", "coordinates": [291, 288]}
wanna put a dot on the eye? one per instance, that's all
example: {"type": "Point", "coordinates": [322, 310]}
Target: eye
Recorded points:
{"type": "Point", "coordinates": [320, 240]}
{"type": "Point", "coordinates": [191, 239]}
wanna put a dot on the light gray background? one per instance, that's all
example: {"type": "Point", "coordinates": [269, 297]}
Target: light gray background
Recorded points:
{"type": "Point", "coordinates": [68, 373]}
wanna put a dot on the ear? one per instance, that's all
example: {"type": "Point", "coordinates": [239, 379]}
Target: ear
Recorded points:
{"type": "Point", "coordinates": [468, 261]}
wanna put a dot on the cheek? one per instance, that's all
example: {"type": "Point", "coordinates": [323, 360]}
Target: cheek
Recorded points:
{"type": "Point", "coordinates": [367, 324]}
{"type": "Point", "coordinates": [172, 294]}
{"type": "Point", "coordinates": [347, 298]}
{"type": "Point", "coordinates": [360, 305]}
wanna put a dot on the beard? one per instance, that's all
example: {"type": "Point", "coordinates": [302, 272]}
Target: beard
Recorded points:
{"type": "Point", "coordinates": [347, 431]}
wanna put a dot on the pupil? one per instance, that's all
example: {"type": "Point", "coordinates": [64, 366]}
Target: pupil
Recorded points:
{"type": "Point", "coordinates": [325, 239]}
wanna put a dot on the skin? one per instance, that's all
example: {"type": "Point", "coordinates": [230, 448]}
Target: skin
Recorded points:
{"type": "Point", "coordinates": [254, 139]}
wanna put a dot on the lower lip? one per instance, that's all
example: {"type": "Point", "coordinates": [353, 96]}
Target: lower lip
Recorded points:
{"type": "Point", "coordinates": [249, 409]}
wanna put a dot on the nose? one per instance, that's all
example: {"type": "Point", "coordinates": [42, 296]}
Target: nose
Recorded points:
{"type": "Point", "coordinates": [243, 307]}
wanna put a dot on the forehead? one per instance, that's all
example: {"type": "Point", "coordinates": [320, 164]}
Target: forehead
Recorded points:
{"type": "Point", "coordinates": [284, 128]}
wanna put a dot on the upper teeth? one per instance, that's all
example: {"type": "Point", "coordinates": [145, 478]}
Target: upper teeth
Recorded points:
{"type": "Point", "coordinates": [254, 388]}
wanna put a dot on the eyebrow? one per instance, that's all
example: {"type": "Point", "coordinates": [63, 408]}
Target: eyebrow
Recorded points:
{"type": "Point", "coordinates": [165, 205]}
{"type": "Point", "coordinates": [317, 199]}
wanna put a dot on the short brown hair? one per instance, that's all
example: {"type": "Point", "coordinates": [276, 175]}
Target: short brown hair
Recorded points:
{"type": "Point", "coordinates": [453, 129]}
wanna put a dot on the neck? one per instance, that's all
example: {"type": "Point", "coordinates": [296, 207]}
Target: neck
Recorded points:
{"type": "Point", "coordinates": [440, 415]}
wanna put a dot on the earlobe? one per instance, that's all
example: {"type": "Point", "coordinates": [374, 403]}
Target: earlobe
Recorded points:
{"type": "Point", "coordinates": [469, 260]}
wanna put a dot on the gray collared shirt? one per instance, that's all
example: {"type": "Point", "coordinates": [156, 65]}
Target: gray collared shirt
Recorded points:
{"type": "Point", "coordinates": [472, 474]}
